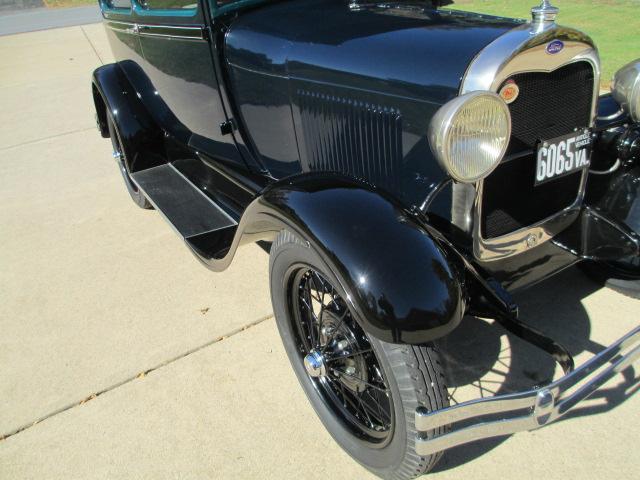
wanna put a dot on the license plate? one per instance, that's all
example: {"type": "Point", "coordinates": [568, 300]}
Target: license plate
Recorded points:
{"type": "Point", "coordinates": [562, 156]}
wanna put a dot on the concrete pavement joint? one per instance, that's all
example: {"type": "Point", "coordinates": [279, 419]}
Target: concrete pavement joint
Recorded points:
{"type": "Point", "coordinates": [137, 376]}
{"type": "Point", "coordinates": [92, 45]}
{"type": "Point", "coordinates": [2, 149]}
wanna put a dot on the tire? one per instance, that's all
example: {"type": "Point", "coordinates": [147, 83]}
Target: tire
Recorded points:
{"type": "Point", "coordinates": [396, 378]}
{"type": "Point", "coordinates": [122, 160]}
{"type": "Point", "coordinates": [613, 276]}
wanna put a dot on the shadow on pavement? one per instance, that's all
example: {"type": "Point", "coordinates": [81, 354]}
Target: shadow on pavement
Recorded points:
{"type": "Point", "coordinates": [482, 360]}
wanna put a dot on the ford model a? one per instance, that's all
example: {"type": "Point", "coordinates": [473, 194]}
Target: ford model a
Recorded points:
{"type": "Point", "coordinates": [407, 165]}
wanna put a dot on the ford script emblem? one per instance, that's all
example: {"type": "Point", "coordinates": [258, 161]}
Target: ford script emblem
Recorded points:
{"type": "Point", "coordinates": [555, 47]}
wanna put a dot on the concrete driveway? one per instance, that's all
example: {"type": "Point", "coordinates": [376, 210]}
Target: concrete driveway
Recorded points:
{"type": "Point", "coordinates": [122, 357]}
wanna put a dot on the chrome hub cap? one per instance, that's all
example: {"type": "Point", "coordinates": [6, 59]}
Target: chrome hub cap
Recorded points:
{"type": "Point", "coordinates": [339, 359]}
{"type": "Point", "coordinates": [314, 363]}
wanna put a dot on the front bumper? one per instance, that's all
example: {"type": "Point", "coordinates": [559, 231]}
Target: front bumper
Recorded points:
{"type": "Point", "coordinates": [529, 410]}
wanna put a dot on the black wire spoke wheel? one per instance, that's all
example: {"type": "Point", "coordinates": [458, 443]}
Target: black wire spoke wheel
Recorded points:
{"type": "Point", "coordinates": [338, 357]}
{"type": "Point", "coordinates": [364, 390]}
{"type": "Point", "coordinates": [121, 159]}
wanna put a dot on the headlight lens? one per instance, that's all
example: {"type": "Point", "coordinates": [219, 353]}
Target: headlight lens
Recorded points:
{"type": "Point", "coordinates": [469, 135]}
{"type": "Point", "coordinates": [626, 89]}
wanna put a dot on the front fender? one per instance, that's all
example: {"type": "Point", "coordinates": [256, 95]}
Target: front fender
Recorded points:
{"type": "Point", "coordinates": [402, 285]}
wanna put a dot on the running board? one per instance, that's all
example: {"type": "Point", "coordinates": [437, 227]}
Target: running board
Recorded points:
{"type": "Point", "coordinates": [204, 225]}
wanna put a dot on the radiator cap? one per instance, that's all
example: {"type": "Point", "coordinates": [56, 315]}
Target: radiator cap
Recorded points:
{"type": "Point", "coordinates": [544, 16]}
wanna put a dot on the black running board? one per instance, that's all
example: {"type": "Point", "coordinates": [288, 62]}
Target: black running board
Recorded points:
{"type": "Point", "coordinates": [204, 225]}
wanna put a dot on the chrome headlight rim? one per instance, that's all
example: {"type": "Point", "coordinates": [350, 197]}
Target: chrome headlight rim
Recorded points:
{"type": "Point", "coordinates": [442, 122]}
{"type": "Point", "coordinates": [626, 89]}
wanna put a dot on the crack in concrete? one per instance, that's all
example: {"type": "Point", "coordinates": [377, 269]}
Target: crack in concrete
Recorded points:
{"type": "Point", "coordinates": [139, 375]}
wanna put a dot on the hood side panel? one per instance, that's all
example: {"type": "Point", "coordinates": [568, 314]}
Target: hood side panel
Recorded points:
{"type": "Point", "coordinates": [399, 49]}
{"type": "Point", "coordinates": [356, 87]}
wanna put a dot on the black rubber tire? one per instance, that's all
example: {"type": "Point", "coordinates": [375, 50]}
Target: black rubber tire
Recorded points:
{"type": "Point", "coordinates": [116, 142]}
{"type": "Point", "coordinates": [608, 276]}
{"type": "Point", "coordinates": [414, 374]}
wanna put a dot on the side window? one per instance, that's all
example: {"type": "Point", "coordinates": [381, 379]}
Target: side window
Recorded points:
{"type": "Point", "coordinates": [120, 4]}
{"type": "Point", "coordinates": [169, 4]}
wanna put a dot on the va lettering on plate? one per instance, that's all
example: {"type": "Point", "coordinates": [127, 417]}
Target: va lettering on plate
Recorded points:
{"type": "Point", "coordinates": [563, 157]}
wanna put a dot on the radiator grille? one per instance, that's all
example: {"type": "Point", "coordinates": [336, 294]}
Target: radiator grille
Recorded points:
{"type": "Point", "coordinates": [549, 105]}
{"type": "Point", "coordinates": [352, 137]}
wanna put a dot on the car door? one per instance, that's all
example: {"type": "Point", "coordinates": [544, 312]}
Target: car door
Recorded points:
{"type": "Point", "coordinates": [177, 60]}
{"type": "Point", "coordinates": [122, 34]}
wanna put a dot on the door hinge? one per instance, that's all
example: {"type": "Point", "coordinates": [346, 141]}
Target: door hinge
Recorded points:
{"type": "Point", "coordinates": [226, 127]}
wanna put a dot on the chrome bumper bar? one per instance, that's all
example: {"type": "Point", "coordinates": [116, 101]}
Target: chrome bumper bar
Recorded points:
{"type": "Point", "coordinates": [527, 410]}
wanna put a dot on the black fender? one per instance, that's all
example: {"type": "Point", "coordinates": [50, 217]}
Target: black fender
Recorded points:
{"type": "Point", "coordinates": [115, 96]}
{"type": "Point", "coordinates": [613, 193]}
{"type": "Point", "coordinates": [618, 204]}
{"type": "Point", "coordinates": [403, 285]}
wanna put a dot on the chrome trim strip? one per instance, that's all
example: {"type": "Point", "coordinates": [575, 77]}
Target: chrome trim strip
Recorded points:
{"type": "Point", "coordinates": [542, 406]}
{"type": "Point", "coordinates": [122, 27]}
{"type": "Point", "coordinates": [523, 50]}
{"type": "Point", "coordinates": [184, 32]}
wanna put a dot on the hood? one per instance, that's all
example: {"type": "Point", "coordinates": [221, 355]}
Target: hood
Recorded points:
{"type": "Point", "coordinates": [399, 48]}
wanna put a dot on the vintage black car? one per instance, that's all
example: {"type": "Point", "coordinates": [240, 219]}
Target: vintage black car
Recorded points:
{"type": "Point", "coordinates": [406, 165]}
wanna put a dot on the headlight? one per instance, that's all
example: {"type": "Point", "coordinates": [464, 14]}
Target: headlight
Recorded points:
{"type": "Point", "coordinates": [470, 134]}
{"type": "Point", "coordinates": [626, 89]}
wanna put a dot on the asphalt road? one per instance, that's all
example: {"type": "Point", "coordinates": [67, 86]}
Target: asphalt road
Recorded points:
{"type": "Point", "coordinates": [33, 19]}
{"type": "Point", "coordinates": [122, 357]}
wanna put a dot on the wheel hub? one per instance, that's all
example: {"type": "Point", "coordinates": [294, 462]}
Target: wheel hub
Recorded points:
{"type": "Point", "coordinates": [341, 341]}
{"type": "Point", "coordinates": [339, 359]}
{"type": "Point", "coordinates": [315, 365]}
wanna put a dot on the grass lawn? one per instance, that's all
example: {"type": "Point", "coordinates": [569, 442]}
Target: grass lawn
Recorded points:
{"type": "Point", "coordinates": [614, 25]}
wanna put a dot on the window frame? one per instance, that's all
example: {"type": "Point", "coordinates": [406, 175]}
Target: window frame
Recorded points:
{"type": "Point", "coordinates": [107, 8]}
{"type": "Point", "coordinates": [138, 13]}
{"type": "Point", "coordinates": [142, 11]}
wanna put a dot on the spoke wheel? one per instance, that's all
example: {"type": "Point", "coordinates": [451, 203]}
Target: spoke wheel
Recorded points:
{"type": "Point", "coordinates": [120, 157]}
{"type": "Point", "coordinates": [364, 390]}
{"type": "Point", "coordinates": [338, 357]}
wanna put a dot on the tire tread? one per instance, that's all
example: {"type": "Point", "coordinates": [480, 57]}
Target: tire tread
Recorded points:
{"type": "Point", "coordinates": [420, 377]}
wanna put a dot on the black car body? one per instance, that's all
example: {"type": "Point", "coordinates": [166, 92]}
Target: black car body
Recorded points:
{"type": "Point", "coordinates": [242, 120]}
